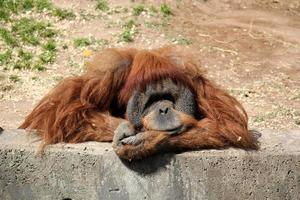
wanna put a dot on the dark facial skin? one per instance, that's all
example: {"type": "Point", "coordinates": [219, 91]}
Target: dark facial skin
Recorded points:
{"type": "Point", "coordinates": [162, 117]}
{"type": "Point", "coordinates": [159, 106]}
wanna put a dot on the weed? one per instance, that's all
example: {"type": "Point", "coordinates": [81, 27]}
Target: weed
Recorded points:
{"type": "Point", "coordinates": [63, 13]}
{"type": "Point", "coordinates": [130, 24]}
{"type": "Point", "coordinates": [39, 67]}
{"type": "Point", "coordinates": [74, 64]}
{"type": "Point", "coordinates": [165, 9]}
{"type": "Point", "coordinates": [22, 64]}
{"type": "Point", "coordinates": [30, 30]}
{"type": "Point", "coordinates": [4, 15]}
{"type": "Point", "coordinates": [185, 41]}
{"type": "Point", "coordinates": [5, 57]}
{"type": "Point", "coordinates": [47, 57]}
{"type": "Point", "coordinates": [50, 45]}
{"type": "Point", "coordinates": [8, 7]}
{"type": "Point", "coordinates": [27, 4]}
{"type": "Point", "coordinates": [87, 41]}
{"type": "Point", "coordinates": [128, 34]}
{"type": "Point", "coordinates": [24, 31]}
{"type": "Point", "coordinates": [259, 119]}
{"type": "Point", "coordinates": [82, 42]}
{"type": "Point", "coordinates": [138, 10]}
{"type": "Point", "coordinates": [182, 41]}
{"type": "Point", "coordinates": [6, 87]}
{"type": "Point", "coordinates": [102, 5]}
{"type": "Point", "coordinates": [118, 9]}
{"type": "Point", "coordinates": [14, 78]}
{"type": "Point", "coordinates": [25, 56]}
{"type": "Point", "coordinates": [43, 5]}
{"type": "Point", "coordinates": [278, 111]}
{"type": "Point", "coordinates": [24, 60]}
{"type": "Point", "coordinates": [154, 25]}
{"type": "Point", "coordinates": [86, 16]}
{"type": "Point", "coordinates": [7, 37]}
{"type": "Point", "coordinates": [34, 78]}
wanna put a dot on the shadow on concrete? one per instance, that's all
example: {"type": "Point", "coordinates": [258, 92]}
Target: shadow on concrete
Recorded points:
{"type": "Point", "coordinates": [150, 164]}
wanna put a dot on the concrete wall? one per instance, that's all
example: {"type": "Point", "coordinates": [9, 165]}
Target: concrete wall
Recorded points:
{"type": "Point", "coordinates": [92, 171]}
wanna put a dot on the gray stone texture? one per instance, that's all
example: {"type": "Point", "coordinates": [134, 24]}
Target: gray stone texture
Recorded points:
{"type": "Point", "coordinates": [92, 171]}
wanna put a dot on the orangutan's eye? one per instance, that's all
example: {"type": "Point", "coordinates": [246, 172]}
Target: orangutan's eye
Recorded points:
{"type": "Point", "coordinates": [159, 97]}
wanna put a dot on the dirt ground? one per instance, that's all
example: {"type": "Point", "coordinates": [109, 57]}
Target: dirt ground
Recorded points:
{"type": "Point", "coordinates": [251, 48]}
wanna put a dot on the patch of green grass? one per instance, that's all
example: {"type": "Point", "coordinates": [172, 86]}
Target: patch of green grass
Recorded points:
{"type": "Point", "coordinates": [181, 41]}
{"type": "Point", "coordinates": [86, 15]}
{"type": "Point", "coordinates": [9, 7]}
{"type": "Point", "coordinates": [128, 33]}
{"type": "Point", "coordinates": [278, 111]}
{"type": "Point", "coordinates": [39, 67]}
{"type": "Point", "coordinates": [184, 41]}
{"type": "Point", "coordinates": [117, 9]}
{"type": "Point", "coordinates": [259, 119]}
{"type": "Point", "coordinates": [23, 33]}
{"type": "Point", "coordinates": [43, 5]}
{"type": "Point", "coordinates": [5, 57]}
{"type": "Point", "coordinates": [28, 4]}
{"type": "Point", "coordinates": [26, 56]}
{"type": "Point", "coordinates": [102, 5]}
{"type": "Point", "coordinates": [34, 78]}
{"type": "Point", "coordinates": [138, 10]}
{"type": "Point", "coordinates": [156, 24]}
{"type": "Point", "coordinates": [50, 45]}
{"type": "Point", "coordinates": [129, 24]}
{"type": "Point", "coordinates": [14, 78]}
{"type": "Point", "coordinates": [7, 37]}
{"type": "Point", "coordinates": [63, 13]}
{"type": "Point", "coordinates": [6, 87]}
{"type": "Point", "coordinates": [126, 36]}
{"type": "Point", "coordinates": [47, 57]}
{"type": "Point", "coordinates": [22, 64]}
{"type": "Point", "coordinates": [31, 31]}
{"type": "Point", "coordinates": [82, 42]}
{"type": "Point", "coordinates": [4, 15]}
{"type": "Point", "coordinates": [165, 9]}
{"type": "Point", "coordinates": [88, 41]}
{"type": "Point", "coordinates": [24, 60]}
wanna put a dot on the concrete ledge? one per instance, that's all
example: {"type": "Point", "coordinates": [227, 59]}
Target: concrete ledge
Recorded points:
{"type": "Point", "coordinates": [92, 171]}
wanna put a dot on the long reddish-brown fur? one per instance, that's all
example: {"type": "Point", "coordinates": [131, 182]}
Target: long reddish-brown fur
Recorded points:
{"type": "Point", "coordinates": [90, 107]}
